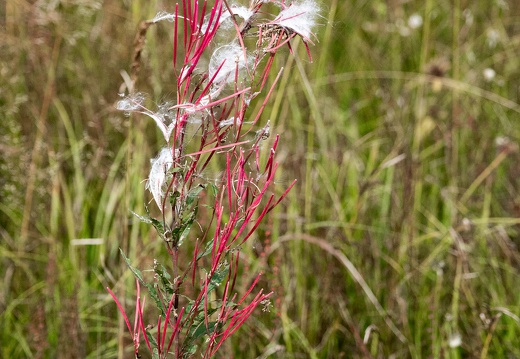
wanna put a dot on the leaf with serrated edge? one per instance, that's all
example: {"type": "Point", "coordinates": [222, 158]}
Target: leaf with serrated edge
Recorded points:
{"type": "Point", "coordinates": [151, 289]}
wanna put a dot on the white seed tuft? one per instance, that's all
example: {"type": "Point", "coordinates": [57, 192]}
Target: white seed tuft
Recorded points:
{"type": "Point", "coordinates": [489, 74]}
{"type": "Point", "coordinates": [415, 21]}
{"type": "Point", "coordinates": [131, 102]}
{"type": "Point", "coordinates": [231, 56]}
{"type": "Point", "coordinates": [299, 17]}
{"type": "Point", "coordinates": [163, 15]}
{"type": "Point", "coordinates": [156, 180]}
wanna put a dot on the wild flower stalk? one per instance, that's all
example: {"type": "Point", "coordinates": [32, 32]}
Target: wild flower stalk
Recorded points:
{"type": "Point", "coordinates": [213, 101]}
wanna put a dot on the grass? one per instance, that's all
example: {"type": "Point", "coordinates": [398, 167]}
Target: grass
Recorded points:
{"type": "Point", "coordinates": [401, 237]}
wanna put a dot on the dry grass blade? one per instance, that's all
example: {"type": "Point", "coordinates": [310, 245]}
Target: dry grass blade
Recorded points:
{"type": "Point", "coordinates": [327, 247]}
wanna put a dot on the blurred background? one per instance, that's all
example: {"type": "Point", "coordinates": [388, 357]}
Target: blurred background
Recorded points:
{"type": "Point", "coordinates": [400, 239]}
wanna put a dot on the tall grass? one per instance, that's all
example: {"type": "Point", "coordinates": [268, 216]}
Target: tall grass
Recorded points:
{"type": "Point", "coordinates": [401, 238]}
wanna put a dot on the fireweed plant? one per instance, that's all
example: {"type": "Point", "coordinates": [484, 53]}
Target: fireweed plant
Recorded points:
{"type": "Point", "coordinates": [212, 100]}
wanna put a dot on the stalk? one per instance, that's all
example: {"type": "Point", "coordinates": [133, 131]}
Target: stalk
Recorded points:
{"type": "Point", "coordinates": [215, 103]}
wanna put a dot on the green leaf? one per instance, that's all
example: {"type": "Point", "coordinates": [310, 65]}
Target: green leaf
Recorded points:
{"type": "Point", "coordinates": [190, 350]}
{"type": "Point", "coordinates": [173, 197]}
{"type": "Point", "coordinates": [193, 195]}
{"type": "Point", "coordinates": [218, 277]}
{"type": "Point", "coordinates": [153, 344]}
{"type": "Point", "coordinates": [144, 219]}
{"type": "Point", "coordinates": [198, 328]}
{"type": "Point", "coordinates": [153, 293]}
{"type": "Point", "coordinates": [213, 189]}
{"type": "Point", "coordinates": [159, 226]}
{"type": "Point", "coordinates": [186, 227]}
{"type": "Point", "coordinates": [209, 248]}
{"type": "Point", "coordinates": [175, 170]}
{"type": "Point", "coordinates": [164, 277]}
{"type": "Point", "coordinates": [137, 272]}
{"type": "Point", "coordinates": [180, 233]}
{"type": "Point", "coordinates": [201, 330]}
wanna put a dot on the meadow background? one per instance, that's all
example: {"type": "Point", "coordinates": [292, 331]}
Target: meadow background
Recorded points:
{"type": "Point", "coordinates": [399, 240]}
